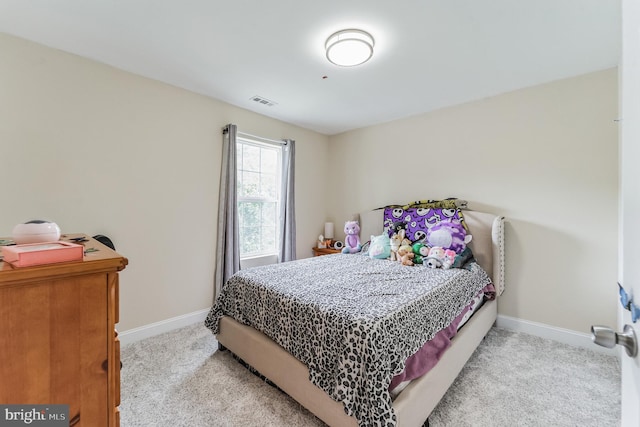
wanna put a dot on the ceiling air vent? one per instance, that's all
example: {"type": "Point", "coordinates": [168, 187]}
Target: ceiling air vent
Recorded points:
{"type": "Point", "coordinates": [263, 101]}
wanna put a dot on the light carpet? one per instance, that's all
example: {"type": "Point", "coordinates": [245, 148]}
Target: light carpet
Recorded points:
{"type": "Point", "coordinates": [513, 379]}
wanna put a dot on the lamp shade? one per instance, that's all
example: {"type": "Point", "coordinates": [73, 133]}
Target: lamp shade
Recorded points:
{"type": "Point", "coordinates": [348, 48]}
{"type": "Point", "coordinates": [328, 230]}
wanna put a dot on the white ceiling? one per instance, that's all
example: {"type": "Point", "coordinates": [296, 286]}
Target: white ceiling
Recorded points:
{"type": "Point", "coordinates": [429, 54]}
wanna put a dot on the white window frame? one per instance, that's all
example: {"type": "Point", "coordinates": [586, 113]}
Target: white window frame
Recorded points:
{"type": "Point", "coordinates": [240, 142]}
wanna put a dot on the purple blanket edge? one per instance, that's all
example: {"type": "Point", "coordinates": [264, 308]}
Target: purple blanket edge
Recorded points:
{"type": "Point", "coordinates": [423, 360]}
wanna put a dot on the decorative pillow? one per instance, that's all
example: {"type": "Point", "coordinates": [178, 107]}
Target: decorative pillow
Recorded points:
{"type": "Point", "coordinates": [417, 220]}
{"type": "Point", "coordinates": [463, 258]}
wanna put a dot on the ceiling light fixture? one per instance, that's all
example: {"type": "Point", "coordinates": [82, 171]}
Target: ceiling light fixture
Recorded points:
{"type": "Point", "coordinates": [348, 48]}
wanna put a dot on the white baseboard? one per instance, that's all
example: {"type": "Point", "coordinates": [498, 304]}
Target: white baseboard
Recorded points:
{"type": "Point", "coordinates": [565, 336]}
{"type": "Point", "coordinates": [157, 328]}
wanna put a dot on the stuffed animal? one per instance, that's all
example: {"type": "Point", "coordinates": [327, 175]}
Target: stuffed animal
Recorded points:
{"type": "Point", "coordinates": [398, 239]}
{"type": "Point", "coordinates": [449, 258]}
{"type": "Point", "coordinates": [394, 243]}
{"type": "Point", "coordinates": [397, 226]}
{"type": "Point", "coordinates": [352, 240]}
{"type": "Point", "coordinates": [439, 258]}
{"type": "Point", "coordinates": [434, 258]}
{"type": "Point", "coordinates": [405, 254]}
{"type": "Point", "coordinates": [380, 247]}
{"type": "Point", "coordinates": [421, 251]}
{"type": "Point", "coordinates": [448, 234]}
{"type": "Point", "coordinates": [431, 262]}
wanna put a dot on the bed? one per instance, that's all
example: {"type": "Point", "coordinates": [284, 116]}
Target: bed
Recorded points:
{"type": "Point", "coordinates": [278, 358]}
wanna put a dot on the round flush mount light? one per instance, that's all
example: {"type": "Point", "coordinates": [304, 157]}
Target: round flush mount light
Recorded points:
{"type": "Point", "coordinates": [348, 48]}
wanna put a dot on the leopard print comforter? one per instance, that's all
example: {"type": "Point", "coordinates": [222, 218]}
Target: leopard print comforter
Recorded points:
{"type": "Point", "coordinates": [352, 320]}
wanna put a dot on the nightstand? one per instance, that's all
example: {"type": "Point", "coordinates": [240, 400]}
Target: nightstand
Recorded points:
{"type": "Point", "coordinates": [325, 251]}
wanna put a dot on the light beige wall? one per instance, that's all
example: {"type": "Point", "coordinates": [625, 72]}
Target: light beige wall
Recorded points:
{"type": "Point", "coordinates": [99, 150]}
{"type": "Point", "coordinates": [544, 157]}
{"type": "Point", "coordinates": [102, 151]}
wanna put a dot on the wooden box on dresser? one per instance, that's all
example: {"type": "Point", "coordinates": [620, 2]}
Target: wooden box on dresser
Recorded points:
{"type": "Point", "coordinates": [58, 343]}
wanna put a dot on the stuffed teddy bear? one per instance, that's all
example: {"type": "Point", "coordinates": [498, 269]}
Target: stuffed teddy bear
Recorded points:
{"type": "Point", "coordinates": [405, 254]}
{"type": "Point", "coordinates": [380, 247]}
{"type": "Point", "coordinates": [352, 240]}
{"type": "Point", "coordinates": [439, 258]}
{"type": "Point", "coordinates": [448, 234]}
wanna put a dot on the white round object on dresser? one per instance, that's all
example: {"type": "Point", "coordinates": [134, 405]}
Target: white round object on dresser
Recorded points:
{"type": "Point", "coordinates": [36, 231]}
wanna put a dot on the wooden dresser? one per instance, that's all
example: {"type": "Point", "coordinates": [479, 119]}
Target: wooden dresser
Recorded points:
{"type": "Point", "coordinates": [58, 343]}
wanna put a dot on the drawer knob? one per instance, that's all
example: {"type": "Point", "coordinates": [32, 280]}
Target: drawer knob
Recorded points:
{"type": "Point", "coordinates": [105, 365]}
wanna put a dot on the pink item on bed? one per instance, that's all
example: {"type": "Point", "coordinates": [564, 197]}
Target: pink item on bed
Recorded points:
{"type": "Point", "coordinates": [421, 362]}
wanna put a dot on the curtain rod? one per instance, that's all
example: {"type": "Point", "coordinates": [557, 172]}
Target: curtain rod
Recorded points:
{"type": "Point", "coordinates": [272, 141]}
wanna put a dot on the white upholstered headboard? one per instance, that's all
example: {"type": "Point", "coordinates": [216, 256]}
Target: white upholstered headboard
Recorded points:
{"type": "Point", "coordinates": [487, 243]}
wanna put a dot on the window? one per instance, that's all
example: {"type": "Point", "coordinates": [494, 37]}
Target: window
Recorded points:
{"type": "Point", "coordinates": [258, 167]}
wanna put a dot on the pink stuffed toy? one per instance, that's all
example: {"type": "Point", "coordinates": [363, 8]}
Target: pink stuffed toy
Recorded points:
{"type": "Point", "coordinates": [352, 241]}
{"type": "Point", "coordinates": [439, 257]}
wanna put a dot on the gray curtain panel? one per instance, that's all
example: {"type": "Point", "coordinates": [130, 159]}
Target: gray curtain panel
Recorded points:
{"type": "Point", "coordinates": [287, 203]}
{"type": "Point", "coordinates": [228, 250]}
